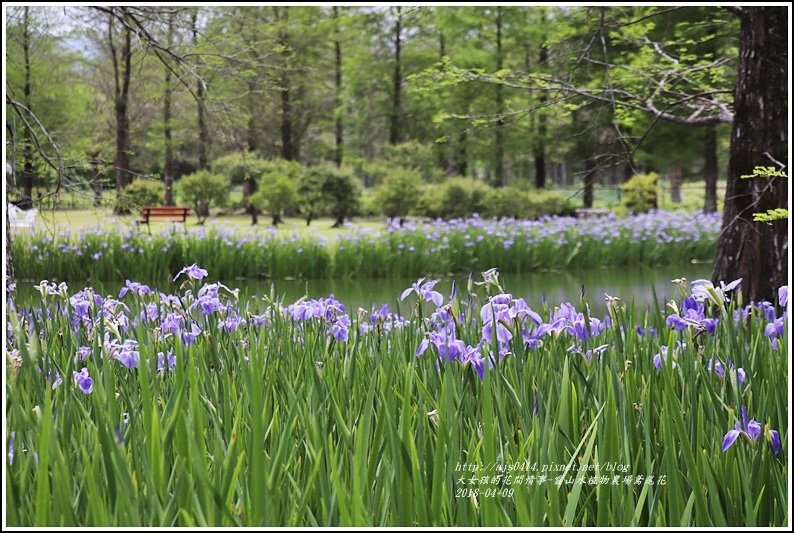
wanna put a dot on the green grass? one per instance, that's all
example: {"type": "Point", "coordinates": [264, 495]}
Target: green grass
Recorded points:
{"type": "Point", "coordinates": [282, 425]}
{"type": "Point", "coordinates": [77, 220]}
{"type": "Point", "coordinates": [455, 247]}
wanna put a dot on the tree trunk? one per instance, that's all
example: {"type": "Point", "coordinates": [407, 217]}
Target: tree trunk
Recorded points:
{"type": "Point", "coordinates": [28, 174]}
{"type": "Point", "coordinates": [286, 120]}
{"type": "Point", "coordinates": [462, 162]}
{"type": "Point", "coordinates": [249, 188]}
{"type": "Point", "coordinates": [675, 183]}
{"type": "Point", "coordinates": [252, 136]}
{"type": "Point", "coordinates": [122, 74]}
{"type": "Point", "coordinates": [204, 136]}
{"type": "Point", "coordinates": [710, 169]}
{"type": "Point", "coordinates": [9, 258]}
{"type": "Point", "coordinates": [394, 124]}
{"type": "Point", "coordinates": [96, 182]}
{"type": "Point", "coordinates": [499, 169]}
{"type": "Point", "coordinates": [277, 219]}
{"type": "Point", "coordinates": [540, 141]}
{"type": "Point", "coordinates": [338, 112]}
{"type": "Point", "coordinates": [589, 182]}
{"type": "Point", "coordinates": [754, 251]}
{"type": "Point", "coordinates": [168, 166]}
{"type": "Point", "coordinates": [287, 151]}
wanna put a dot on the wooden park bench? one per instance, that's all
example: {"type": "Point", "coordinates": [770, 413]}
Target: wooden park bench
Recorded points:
{"type": "Point", "coordinates": [174, 214]}
{"type": "Point", "coordinates": [593, 212]}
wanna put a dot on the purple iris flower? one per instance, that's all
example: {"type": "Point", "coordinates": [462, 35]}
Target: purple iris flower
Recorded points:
{"type": "Point", "coordinates": [127, 354]}
{"type": "Point", "coordinates": [208, 304]}
{"type": "Point", "coordinates": [259, 320]}
{"type": "Point", "coordinates": [193, 271]}
{"type": "Point", "coordinates": [57, 381]}
{"type": "Point", "coordinates": [752, 430]}
{"type": "Point", "coordinates": [773, 331]}
{"type": "Point", "coordinates": [703, 290]}
{"type": "Point", "coordinates": [660, 358]}
{"type": "Point", "coordinates": [189, 337]}
{"type": "Point", "coordinates": [81, 309]}
{"type": "Point", "coordinates": [150, 312]}
{"type": "Point", "coordinates": [714, 365]}
{"type": "Point", "coordinates": [168, 359]}
{"type": "Point", "coordinates": [231, 322]}
{"type": "Point", "coordinates": [774, 440]}
{"type": "Point", "coordinates": [83, 381]}
{"type": "Point", "coordinates": [522, 311]}
{"type": "Point", "coordinates": [11, 443]}
{"type": "Point", "coordinates": [83, 353]}
{"type": "Point", "coordinates": [471, 356]}
{"type": "Point", "coordinates": [782, 296]}
{"type": "Point", "coordinates": [649, 331]}
{"type": "Point", "coordinates": [134, 287]}
{"type": "Point", "coordinates": [172, 323]}
{"type": "Point", "coordinates": [503, 335]}
{"type": "Point", "coordinates": [694, 315]}
{"type": "Point", "coordinates": [340, 328]}
{"type": "Point", "coordinates": [425, 292]}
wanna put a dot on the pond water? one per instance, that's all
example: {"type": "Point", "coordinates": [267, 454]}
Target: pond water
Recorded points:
{"type": "Point", "coordinates": [637, 284]}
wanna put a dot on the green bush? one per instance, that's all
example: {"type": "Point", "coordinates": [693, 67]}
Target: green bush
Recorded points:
{"type": "Point", "coordinates": [369, 205]}
{"type": "Point", "coordinates": [453, 198]}
{"type": "Point", "coordinates": [400, 193]}
{"type": "Point", "coordinates": [276, 193]}
{"type": "Point", "coordinates": [275, 170]}
{"type": "Point", "coordinates": [417, 156]}
{"type": "Point", "coordinates": [506, 202]}
{"type": "Point", "coordinates": [203, 189]}
{"type": "Point", "coordinates": [310, 192]}
{"type": "Point", "coordinates": [239, 167]}
{"type": "Point", "coordinates": [141, 193]}
{"type": "Point", "coordinates": [372, 173]}
{"type": "Point", "coordinates": [340, 192]}
{"type": "Point", "coordinates": [543, 203]}
{"type": "Point", "coordinates": [641, 193]}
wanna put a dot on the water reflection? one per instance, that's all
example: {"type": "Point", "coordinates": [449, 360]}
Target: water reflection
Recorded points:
{"type": "Point", "coordinates": [536, 288]}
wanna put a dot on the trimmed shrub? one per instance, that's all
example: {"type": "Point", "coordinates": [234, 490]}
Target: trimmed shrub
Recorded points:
{"type": "Point", "coordinates": [141, 193]}
{"type": "Point", "coordinates": [276, 193]}
{"type": "Point", "coordinates": [203, 189]}
{"type": "Point", "coordinates": [400, 193]}
{"type": "Point", "coordinates": [239, 167]}
{"type": "Point", "coordinates": [641, 193]}
{"type": "Point", "coordinates": [454, 198]}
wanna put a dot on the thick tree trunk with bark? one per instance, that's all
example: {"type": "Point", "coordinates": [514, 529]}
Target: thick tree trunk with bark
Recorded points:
{"type": "Point", "coordinates": [499, 168]}
{"type": "Point", "coordinates": [249, 188]}
{"type": "Point", "coordinates": [204, 136]}
{"type": "Point", "coordinates": [96, 182]}
{"type": "Point", "coordinates": [338, 129]}
{"type": "Point", "coordinates": [394, 118]}
{"type": "Point", "coordinates": [540, 140]}
{"type": "Point", "coordinates": [168, 166]}
{"type": "Point", "coordinates": [122, 74]}
{"type": "Point", "coordinates": [28, 173]}
{"type": "Point", "coordinates": [710, 169]}
{"type": "Point", "coordinates": [589, 182]}
{"type": "Point", "coordinates": [754, 251]}
{"type": "Point", "coordinates": [462, 157]}
{"type": "Point", "coordinates": [287, 149]}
